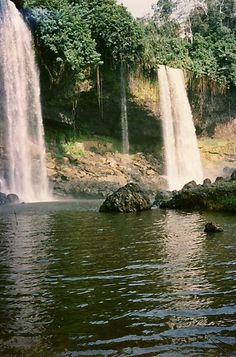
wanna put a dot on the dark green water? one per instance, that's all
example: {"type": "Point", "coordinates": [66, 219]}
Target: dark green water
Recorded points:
{"type": "Point", "coordinates": [74, 282]}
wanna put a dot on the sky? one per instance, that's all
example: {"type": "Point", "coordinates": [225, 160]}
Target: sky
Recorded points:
{"type": "Point", "coordinates": [138, 8]}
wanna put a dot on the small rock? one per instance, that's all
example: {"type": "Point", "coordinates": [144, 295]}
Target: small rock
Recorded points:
{"type": "Point", "coordinates": [211, 227]}
{"type": "Point", "coordinates": [206, 182]}
{"type": "Point", "coordinates": [190, 184]}
{"type": "Point", "coordinates": [233, 176]}
{"type": "Point", "coordinates": [219, 179]}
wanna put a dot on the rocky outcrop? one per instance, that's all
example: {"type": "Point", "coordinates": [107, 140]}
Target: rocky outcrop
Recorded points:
{"type": "Point", "coordinates": [217, 196]}
{"type": "Point", "coordinates": [211, 227]}
{"type": "Point", "coordinates": [129, 198]}
{"type": "Point", "coordinates": [5, 199]}
{"type": "Point", "coordinates": [98, 174]}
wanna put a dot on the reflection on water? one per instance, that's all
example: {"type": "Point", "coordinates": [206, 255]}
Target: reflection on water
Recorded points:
{"type": "Point", "coordinates": [184, 249]}
{"type": "Point", "coordinates": [24, 262]}
{"type": "Point", "coordinates": [75, 282]}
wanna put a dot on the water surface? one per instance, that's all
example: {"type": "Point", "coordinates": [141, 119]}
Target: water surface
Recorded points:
{"type": "Point", "coordinates": [74, 282]}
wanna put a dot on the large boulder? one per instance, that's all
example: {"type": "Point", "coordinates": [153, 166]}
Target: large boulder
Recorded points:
{"type": "Point", "coordinates": [129, 198]}
{"type": "Point", "coordinates": [12, 198]}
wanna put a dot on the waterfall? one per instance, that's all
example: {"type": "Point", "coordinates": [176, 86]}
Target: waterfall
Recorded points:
{"type": "Point", "coordinates": [183, 162]}
{"type": "Point", "coordinates": [124, 117]}
{"type": "Point", "coordinates": [23, 168]}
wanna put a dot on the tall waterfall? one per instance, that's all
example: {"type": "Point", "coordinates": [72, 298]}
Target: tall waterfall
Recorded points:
{"type": "Point", "coordinates": [124, 116]}
{"type": "Point", "coordinates": [183, 162]}
{"type": "Point", "coordinates": [23, 168]}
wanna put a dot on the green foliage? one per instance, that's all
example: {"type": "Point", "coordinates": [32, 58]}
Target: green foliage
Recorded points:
{"type": "Point", "coordinates": [162, 10]}
{"type": "Point", "coordinates": [65, 39]}
{"type": "Point", "coordinates": [229, 203]}
{"type": "Point", "coordinates": [117, 34]}
{"type": "Point", "coordinates": [75, 36]}
{"type": "Point", "coordinates": [212, 51]}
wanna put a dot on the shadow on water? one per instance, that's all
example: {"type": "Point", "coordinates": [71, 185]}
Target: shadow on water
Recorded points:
{"type": "Point", "coordinates": [75, 282]}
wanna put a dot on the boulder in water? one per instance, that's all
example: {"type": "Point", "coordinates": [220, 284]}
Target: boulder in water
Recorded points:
{"type": "Point", "coordinates": [3, 198]}
{"type": "Point", "coordinates": [12, 198]}
{"type": "Point", "coordinates": [211, 227]}
{"type": "Point", "coordinates": [129, 198]}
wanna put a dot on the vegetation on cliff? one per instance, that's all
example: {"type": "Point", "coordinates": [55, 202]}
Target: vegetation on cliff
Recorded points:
{"type": "Point", "coordinates": [81, 44]}
{"type": "Point", "coordinates": [77, 36]}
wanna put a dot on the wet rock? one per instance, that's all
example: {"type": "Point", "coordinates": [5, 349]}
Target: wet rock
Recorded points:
{"type": "Point", "coordinates": [219, 179]}
{"type": "Point", "coordinates": [211, 227]}
{"type": "Point", "coordinates": [3, 198]}
{"type": "Point", "coordinates": [206, 182]}
{"type": "Point", "coordinates": [12, 198]}
{"type": "Point", "coordinates": [162, 196]}
{"type": "Point", "coordinates": [129, 198]}
{"type": "Point", "coordinates": [190, 184]}
{"type": "Point", "coordinates": [219, 196]}
{"type": "Point", "coordinates": [233, 176]}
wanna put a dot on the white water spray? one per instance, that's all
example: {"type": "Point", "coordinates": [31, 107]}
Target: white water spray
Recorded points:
{"type": "Point", "coordinates": [183, 162]}
{"type": "Point", "coordinates": [21, 138]}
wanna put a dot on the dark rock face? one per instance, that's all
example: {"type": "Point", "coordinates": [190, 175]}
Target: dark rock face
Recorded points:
{"type": "Point", "coordinates": [5, 199]}
{"type": "Point", "coordinates": [129, 198]}
{"type": "Point", "coordinates": [211, 227]}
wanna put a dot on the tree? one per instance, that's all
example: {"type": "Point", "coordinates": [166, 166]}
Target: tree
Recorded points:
{"type": "Point", "coordinates": [162, 11]}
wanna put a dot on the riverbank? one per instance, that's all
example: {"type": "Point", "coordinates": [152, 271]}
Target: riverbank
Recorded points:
{"type": "Point", "coordinates": [96, 167]}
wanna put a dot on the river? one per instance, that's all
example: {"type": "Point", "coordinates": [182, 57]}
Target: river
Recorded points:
{"type": "Point", "coordinates": [75, 282]}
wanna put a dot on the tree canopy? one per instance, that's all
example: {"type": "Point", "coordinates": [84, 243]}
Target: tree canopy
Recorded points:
{"type": "Point", "coordinates": [82, 34]}
{"type": "Point", "coordinates": [76, 36]}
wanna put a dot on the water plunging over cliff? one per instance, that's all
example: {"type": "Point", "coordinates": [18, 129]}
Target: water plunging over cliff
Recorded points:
{"type": "Point", "coordinates": [23, 169]}
{"type": "Point", "coordinates": [124, 116]}
{"type": "Point", "coordinates": [182, 156]}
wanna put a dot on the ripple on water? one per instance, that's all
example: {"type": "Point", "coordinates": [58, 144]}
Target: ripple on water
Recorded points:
{"type": "Point", "coordinates": [81, 283]}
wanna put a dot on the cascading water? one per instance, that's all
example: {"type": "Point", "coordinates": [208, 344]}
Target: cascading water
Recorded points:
{"type": "Point", "coordinates": [183, 162]}
{"type": "Point", "coordinates": [124, 117]}
{"type": "Point", "coordinates": [23, 168]}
